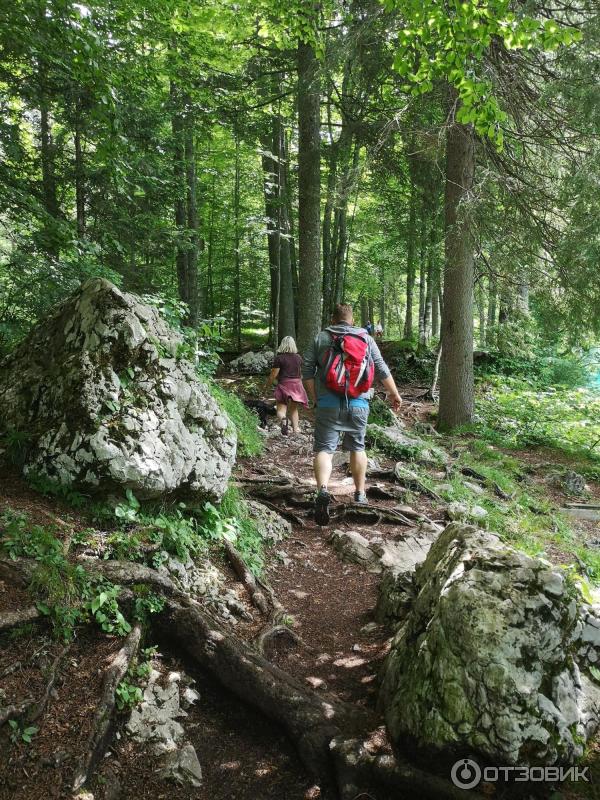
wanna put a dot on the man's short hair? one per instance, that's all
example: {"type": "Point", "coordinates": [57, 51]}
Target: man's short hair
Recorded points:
{"type": "Point", "coordinates": [342, 313]}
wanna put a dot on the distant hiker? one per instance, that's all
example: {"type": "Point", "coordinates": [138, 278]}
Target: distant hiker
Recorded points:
{"type": "Point", "coordinates": [378, 330]}
{"type": "Point", "coordinates": [369, 327]}
{"type": "Point", "coordinates": [289, 393]}
{"type": "Point", "coordinates": [338, 373]}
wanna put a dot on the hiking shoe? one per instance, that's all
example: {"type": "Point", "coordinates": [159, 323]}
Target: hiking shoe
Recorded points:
{"type": "Point", "coordinates": [322, 507]}
{"type": "Point", "coordinates": [285, 427]}
{"type": "Point", "coordinates": [361, 497]}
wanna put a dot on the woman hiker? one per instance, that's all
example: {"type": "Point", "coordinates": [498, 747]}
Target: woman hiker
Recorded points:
{"type": "Point", "coordinates": [290, 392]}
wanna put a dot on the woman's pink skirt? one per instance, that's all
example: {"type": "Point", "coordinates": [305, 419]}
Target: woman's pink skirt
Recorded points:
{"type": "Point", "coordinates": [291, 389]}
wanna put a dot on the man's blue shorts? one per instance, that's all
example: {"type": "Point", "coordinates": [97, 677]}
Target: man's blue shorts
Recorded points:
{"type": "Point", "coordinates": [331, 423]}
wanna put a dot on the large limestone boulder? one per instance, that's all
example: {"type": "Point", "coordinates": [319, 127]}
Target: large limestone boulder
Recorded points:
{"type": "Point", "coordinates": [495, 656]}
{"type": "Point", "coordinates": [105, 400]}
{"type": "Point", "coordinates": [253, 363]}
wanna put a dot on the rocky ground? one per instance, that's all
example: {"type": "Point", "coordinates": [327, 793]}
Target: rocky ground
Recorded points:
{"type": "Point", "coordinates": [330, 634]}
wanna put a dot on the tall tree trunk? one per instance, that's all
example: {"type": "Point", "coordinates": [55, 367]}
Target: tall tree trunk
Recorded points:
{"type": "Point", "coordinates": [309, 191]}
{"type": "Point", "coordinates": [271, 167]}
{"type": "Point", "coordinates": [192, 282]}
{"type": "Point", "coordinates": [480, 299]}
{"type": "Point", "coordinates": [410, 263]}
{"type": "Point", "coordinates": [79, 175]}
{"type": "Point", "coordinates": [210, 294]}
{"type": "Point", "coordinates": [237, 301]}
{"type": "Point", "coordinates": [422, 277]}
{"type": "Point", "coordinates": [491, 311]}
{"type": "Point", "coordinates": [328, 276]}
{"type": "Point", "coordinates": [347, 181]}
{"type": "Point", "coordinates": [364, 310]}
{"type": "Point", "coordinates": [47, 158]}
{"type": "Point", "coordinates": [456, 368]}
{"type": "Point", "coordinates": [287, 321]}
{"type": "Point", "coordinates": [177, 128]}
{"type": "Point", "coordinates": [428, 315]}
{"type": "Point", "coordinates": [382, 290]}
{"type": "Point", "coordinates": [290, 218]}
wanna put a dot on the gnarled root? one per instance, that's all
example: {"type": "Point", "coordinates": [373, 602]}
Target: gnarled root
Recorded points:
{"type": "Point", "coordinates": [246, 577]}
{"type": "Point", "coordinates": [104, 718]}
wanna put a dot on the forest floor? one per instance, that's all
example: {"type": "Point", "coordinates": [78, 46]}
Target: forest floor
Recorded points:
{"type": "Point", "coordinates": [329, 604]}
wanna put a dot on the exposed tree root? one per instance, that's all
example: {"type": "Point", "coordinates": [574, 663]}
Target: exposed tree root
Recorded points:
{"type": "Point", "coordinates": [31, 710]}
{"type": "Point", "coordinates": [36, 710]}
{"type": "Point", "coordinates": [11, 619]}
{"type": "Point", "coordinates": [332, 737]}
{"type": "Point", "coordinates": [14, 712]}
{"type": "Point", "coordinates": [283, 489]}
{"type": "Point", "coordinates": [359, 765]}
{"type": "Point", "coordinates": [266, 637]}
{"type": "Point", "coordinates": [246, 577]}
{"type": "Point", "coordinates": [326, 732]}
{"type": "Point", "coordinates": [368, 514]}
{"type": "Point", "coordinates": [104, 718]}
{"type": "Point", "coordinates": [310, 720]}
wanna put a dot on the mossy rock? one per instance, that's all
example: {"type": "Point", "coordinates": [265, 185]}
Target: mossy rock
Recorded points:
{"type": "Point", "coordinates": [400, 445]}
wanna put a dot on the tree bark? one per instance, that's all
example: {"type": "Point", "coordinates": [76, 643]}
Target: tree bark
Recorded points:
{"type": "Point", "coordinates": [410, 263]}
{"type": "Point", "coordinates": [309, 191]}
{"type": "Point", "coordinates": [287, 317]}
{"type": "Point", "coordinates": [79, 175]}
{"type": "Point", "coordinates": [237, 302]}
{"type": "Point", "coordinates": [179, 193]}
{"type": "Point", "coordinates": [192, 282]}
{"type": "Point", "coordinates": [423, 266]}
{"type": "Point", "coordinates": [491, 311]}
{"type": "Point", "coordinates": [456, 368]}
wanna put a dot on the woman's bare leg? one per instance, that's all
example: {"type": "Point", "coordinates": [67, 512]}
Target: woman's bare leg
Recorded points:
{"type": "Point", "coordinates": [293, 412]}
{"type": "Point", "coordinates": [281, 411]}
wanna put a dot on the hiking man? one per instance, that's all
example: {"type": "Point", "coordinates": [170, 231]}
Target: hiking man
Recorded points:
{"type": "Point", "coordinates": [338, 373]}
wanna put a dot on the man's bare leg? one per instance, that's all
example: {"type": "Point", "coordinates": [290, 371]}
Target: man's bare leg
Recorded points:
{"type": "Point", "coordinates": [323, 465]}
{"type": "Point", "coordinates": [358, 468]}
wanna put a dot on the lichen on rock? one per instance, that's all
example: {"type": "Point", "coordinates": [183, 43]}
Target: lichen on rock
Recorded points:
{"type": "Point", "coordinates": [493, 656]}
{"type": "Point", "coordinates": [105, 400]}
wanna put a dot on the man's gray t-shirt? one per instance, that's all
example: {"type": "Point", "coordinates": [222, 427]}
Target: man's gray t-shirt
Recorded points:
{"type": "Point", "coordinates": [316, 355]}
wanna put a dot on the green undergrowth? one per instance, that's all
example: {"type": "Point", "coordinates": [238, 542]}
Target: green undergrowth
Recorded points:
{"type": "Point", "coordinates": [527, 519]}
{"type": "Point", "coordinates": [513, 415]}
{"type": "Point", "coordinates": [66, 593]}
{"type": "Point", "coordinates": [69, 596]}
{"type": "Point", "coordinates": [245, 422]}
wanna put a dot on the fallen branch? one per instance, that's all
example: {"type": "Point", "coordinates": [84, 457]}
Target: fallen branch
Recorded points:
{"type": "Point", "coordinates": [104, 717]}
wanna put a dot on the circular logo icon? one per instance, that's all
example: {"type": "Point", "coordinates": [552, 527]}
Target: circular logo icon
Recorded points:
{"type": "Point", "coordinates": [465, 773]}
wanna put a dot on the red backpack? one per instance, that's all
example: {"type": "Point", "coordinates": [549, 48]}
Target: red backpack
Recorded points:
{"type": "Point", "coordinates": [349, 370]}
